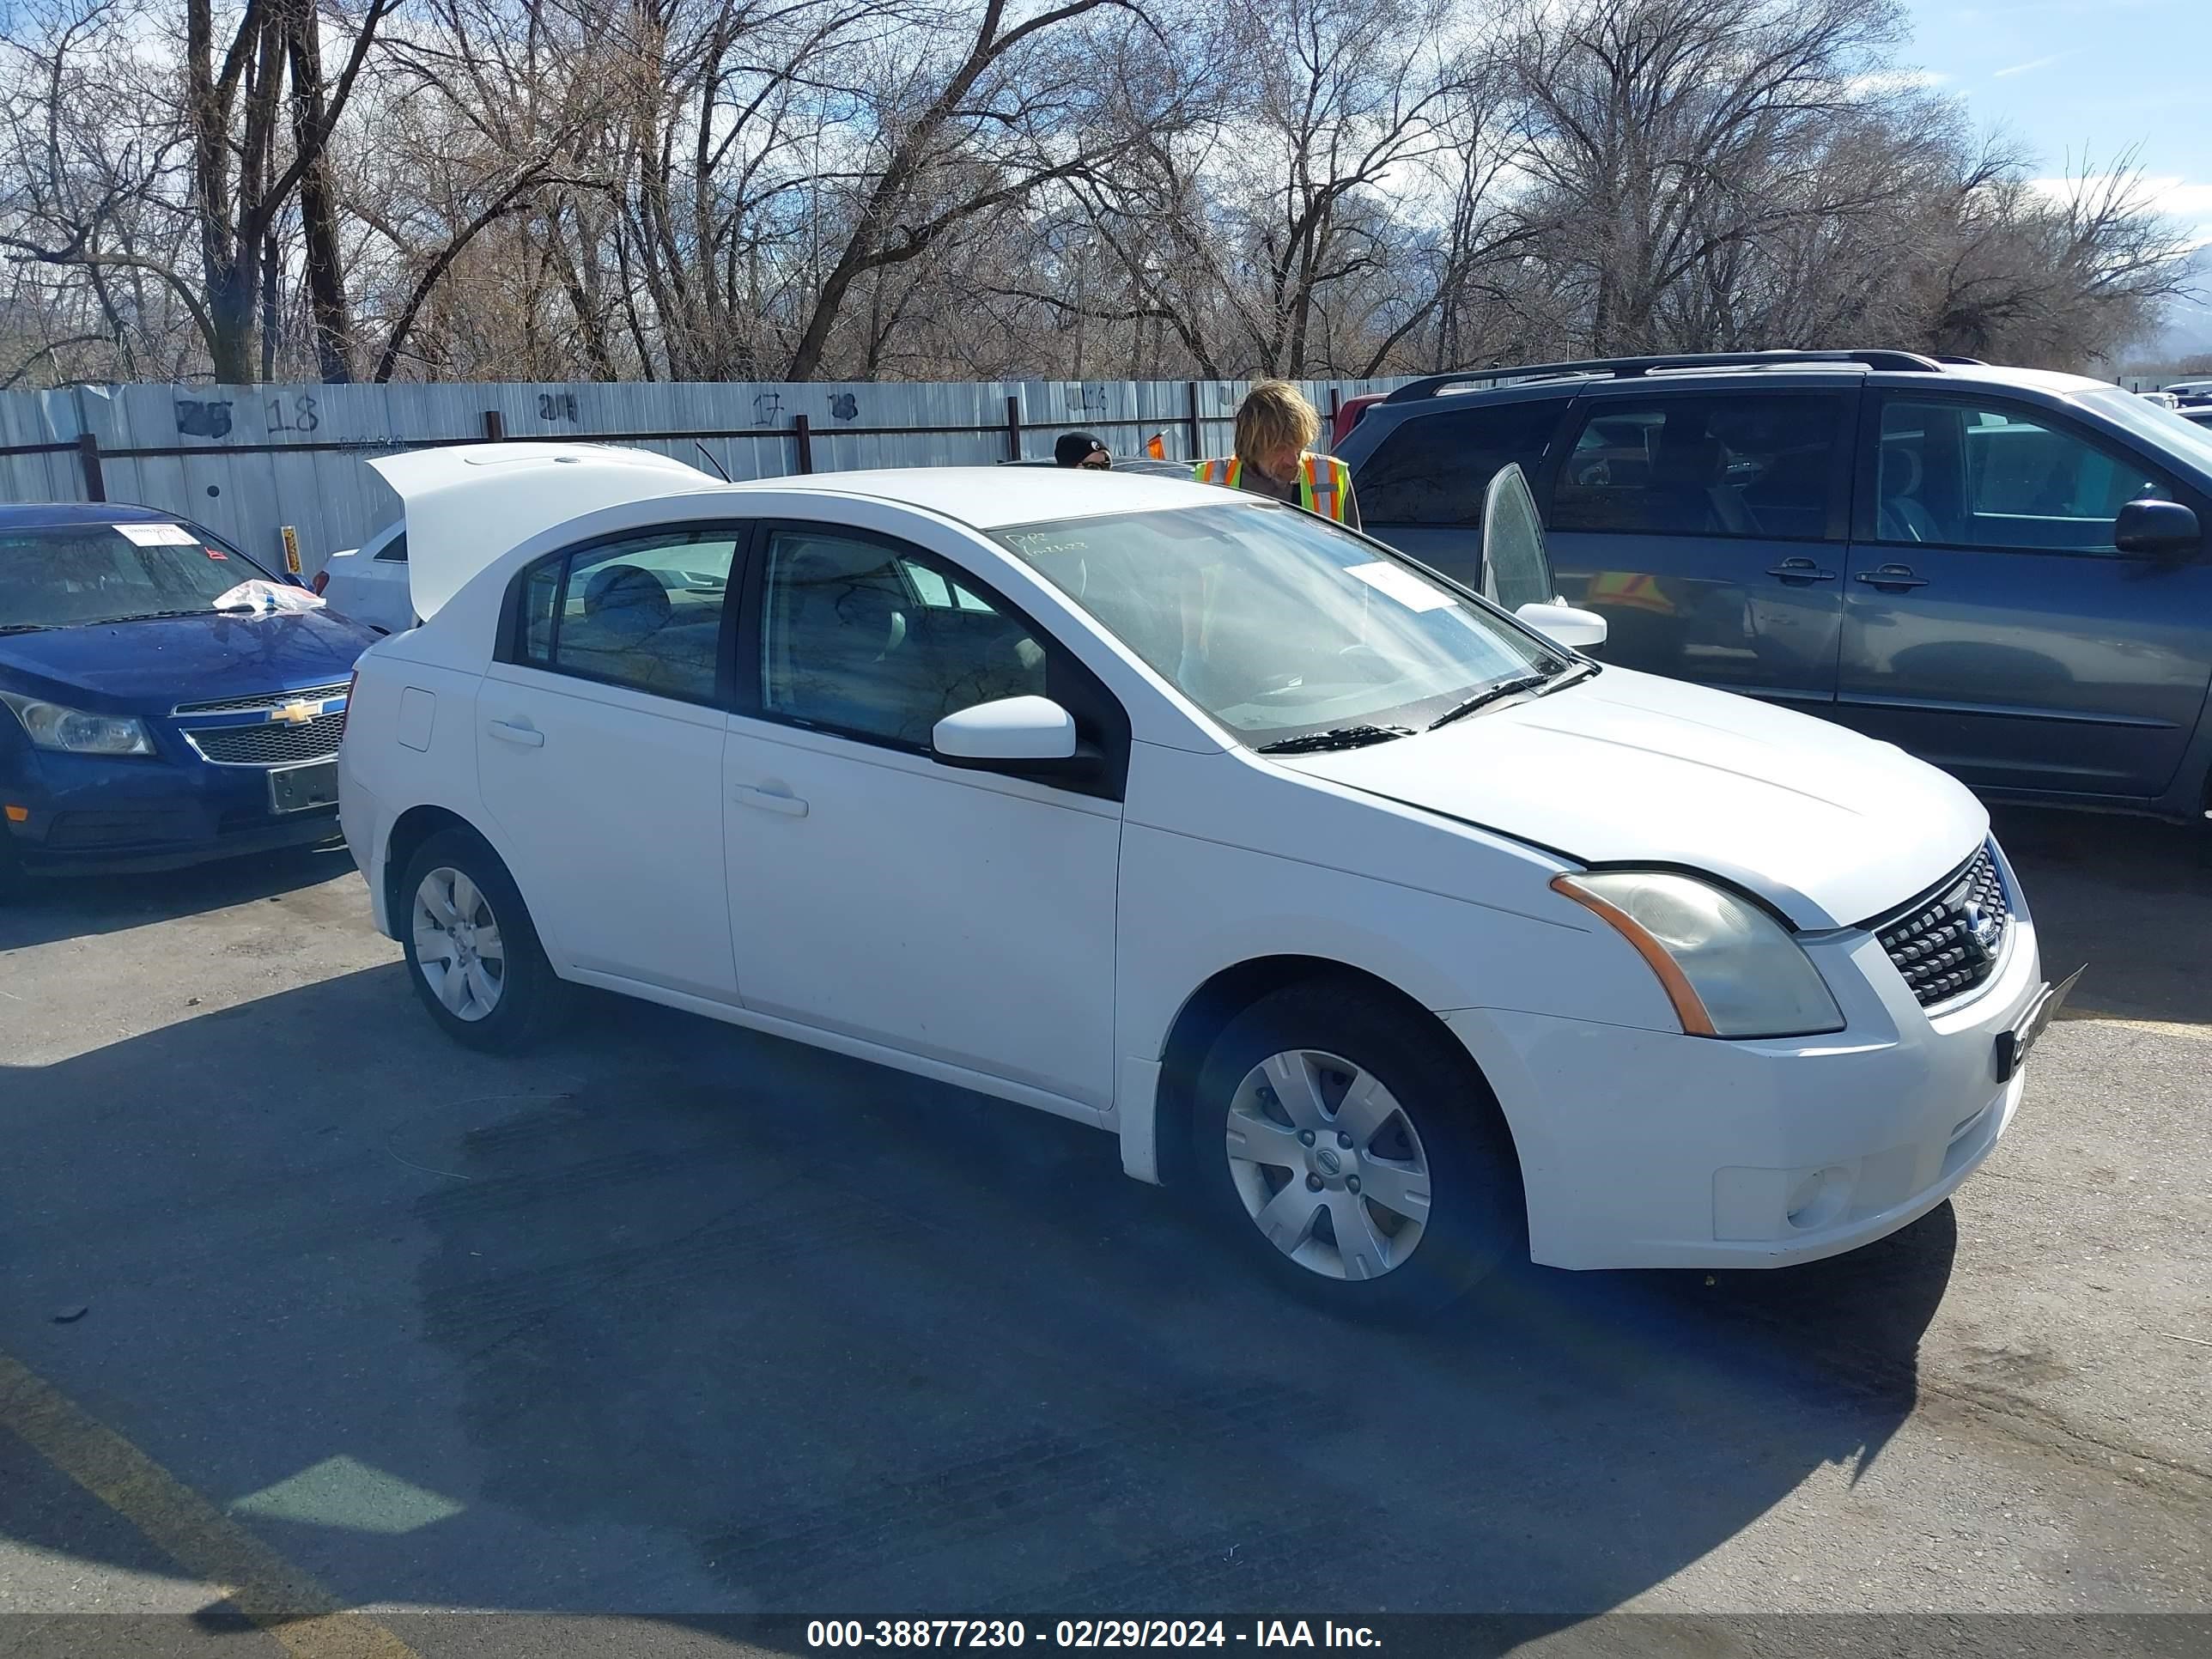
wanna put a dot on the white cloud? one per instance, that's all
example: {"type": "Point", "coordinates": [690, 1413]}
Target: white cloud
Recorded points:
{"type": "Point", "coordinates": [1888, 81]}
{"type": "Point", "coordinates": [2187, 202]}
{"type": "Point", "coordinates": [2031, 64]}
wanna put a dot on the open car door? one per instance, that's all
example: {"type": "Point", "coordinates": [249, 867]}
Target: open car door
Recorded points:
{"type": "Point", "coordinates": [1517, 565]}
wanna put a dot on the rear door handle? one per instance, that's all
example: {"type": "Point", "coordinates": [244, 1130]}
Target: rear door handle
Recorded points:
{"type": "Point", "coordinates": [768, 800]}
{"type": "Point", "coordinates": [1893, 577]}
{"type": "Point", "coordinates": [1800, 571]}
{"type": "Point", "coordinates": [508, 731]}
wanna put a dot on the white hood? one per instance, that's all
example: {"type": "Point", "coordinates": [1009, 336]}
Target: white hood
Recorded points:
{"type": "Point", "coordinates": [467, 505]}
{"type": "Point", "coordinates": [1830, 827]}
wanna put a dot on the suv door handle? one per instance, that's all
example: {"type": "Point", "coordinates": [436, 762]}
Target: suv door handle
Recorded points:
{"type": "Point", "coordinates": [1800, 571]}
{"type": "Point", "coordinates": [509, 732]}
{"type": "Point", "coordinates": [1891, 578]}
{"type": "Point", "coordinates": [768, 800]}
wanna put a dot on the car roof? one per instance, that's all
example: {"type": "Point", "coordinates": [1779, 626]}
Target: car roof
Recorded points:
{"type": "Point", "coordinates": [993, 497]}
{"type": "Point", "coordinates": [1632, 376]}
{"type": "Point", "coordinates": [37, 515]}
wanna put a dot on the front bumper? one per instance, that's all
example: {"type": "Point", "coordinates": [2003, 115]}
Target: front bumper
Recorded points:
{"type": "Point", "coordinates": [89, 814]}
{"type": "Point", "coordinates": [1643, 1149]}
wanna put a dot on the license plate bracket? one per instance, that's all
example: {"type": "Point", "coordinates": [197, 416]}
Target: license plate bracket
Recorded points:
{"type": "Point", "coordinates": [302, 788]}
{"type": "Point", "coordinates": [2012, 1046]}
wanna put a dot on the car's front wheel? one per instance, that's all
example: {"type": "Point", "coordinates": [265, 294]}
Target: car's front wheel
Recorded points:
{"type": "Point", "coordinates": [1354, 1151]}
{"type": "Point", "coordinates": [471, 950]}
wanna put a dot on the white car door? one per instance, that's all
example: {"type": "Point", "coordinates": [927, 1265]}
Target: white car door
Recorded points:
{"type": "Point", "coordinates": [599, 742]}
{"type": "Point", "coordinates": [963, 916]}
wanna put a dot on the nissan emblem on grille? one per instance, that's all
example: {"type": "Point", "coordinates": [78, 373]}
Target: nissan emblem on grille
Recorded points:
{"type": "Point", "coordinates": [1948, 943]}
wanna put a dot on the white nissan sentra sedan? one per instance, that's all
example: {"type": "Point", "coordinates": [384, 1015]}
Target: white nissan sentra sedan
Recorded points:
{"type": "Point", "coordinates": [1400, 933]}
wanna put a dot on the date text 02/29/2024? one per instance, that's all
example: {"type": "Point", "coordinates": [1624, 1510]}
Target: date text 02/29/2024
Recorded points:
{"type": "Point", "coordinates": [1083, 1633]}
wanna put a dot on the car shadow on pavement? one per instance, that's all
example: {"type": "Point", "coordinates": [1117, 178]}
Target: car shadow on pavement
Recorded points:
{"type": "Point", "coordinates": [51, 909]}
{"type": "Point", "coordinates": [675, 1320]}
{"type": "Point", "coordinates": [2131, 897]}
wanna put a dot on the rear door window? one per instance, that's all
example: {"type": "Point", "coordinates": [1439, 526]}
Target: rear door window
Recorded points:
{"type": "Point", "coordinates": [1435, 468]}
{"type": "Point", "coordinates": [1757, 465]}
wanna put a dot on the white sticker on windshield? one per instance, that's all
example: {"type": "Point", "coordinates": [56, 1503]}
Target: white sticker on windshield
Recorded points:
{"type": "Point", "coordinates": [158, 535]}
{"type": "Point", "coordinates": [1401, 583]}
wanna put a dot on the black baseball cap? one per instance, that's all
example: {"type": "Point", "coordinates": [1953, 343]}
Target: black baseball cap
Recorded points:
{"type": "Point", "coordinates": [1076, 447]}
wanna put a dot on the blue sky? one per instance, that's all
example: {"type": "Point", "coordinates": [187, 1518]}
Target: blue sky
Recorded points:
{"type": "Point", "coordinates": [2091, 78]}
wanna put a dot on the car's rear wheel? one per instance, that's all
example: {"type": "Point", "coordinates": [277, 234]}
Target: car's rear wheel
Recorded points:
{"type": "Point", "coordinates": [471, 950]}
{"type": "Point", "coordinates": [1354, 1151]}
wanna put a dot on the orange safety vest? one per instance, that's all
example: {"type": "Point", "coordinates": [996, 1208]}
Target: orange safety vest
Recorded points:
{"type": "Point", "coordinates": [1324, 481]}
{"type": "Point", "coordinates": [1628, 590]}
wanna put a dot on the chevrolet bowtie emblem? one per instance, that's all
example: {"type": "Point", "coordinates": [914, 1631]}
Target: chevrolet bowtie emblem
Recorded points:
{"type": "Point", "coordinates": [296, 713]}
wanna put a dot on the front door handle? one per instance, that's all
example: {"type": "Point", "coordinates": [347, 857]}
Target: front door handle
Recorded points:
{"type": "Point", "coordinates": [509, 732]}
{"type": "Point", "coordinates": [778, 799]}
{"type": "Point", "coordinates": [1891, 578]}
{"type": "Point", "coordinates": [1801, 571]}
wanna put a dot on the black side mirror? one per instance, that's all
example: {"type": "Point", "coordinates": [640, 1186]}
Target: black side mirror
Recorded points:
{"type": "Point", "coordinates": [2165, 530]}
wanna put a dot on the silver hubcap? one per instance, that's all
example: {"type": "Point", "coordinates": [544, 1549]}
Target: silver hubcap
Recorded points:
{"type": "Point", "coordinates": [1329, 1164]}
{"type": "Point", "coordinates": [457, 945]}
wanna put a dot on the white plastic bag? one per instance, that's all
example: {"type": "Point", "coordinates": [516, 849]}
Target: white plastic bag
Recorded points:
{"type": "Point", "coordinates": [270, 598]}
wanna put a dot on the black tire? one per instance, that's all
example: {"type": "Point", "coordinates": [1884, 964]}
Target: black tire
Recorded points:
{"type": "Point", "coordinates": [529, 994]}
{"type": "Point", "coordinates": [1476, 1216]}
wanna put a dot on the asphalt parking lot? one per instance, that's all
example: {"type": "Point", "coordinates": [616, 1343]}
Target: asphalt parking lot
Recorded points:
{"type": "Point", "coordinates": [311, 1319]}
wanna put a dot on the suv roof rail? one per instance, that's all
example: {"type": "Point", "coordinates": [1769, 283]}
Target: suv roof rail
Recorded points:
{"type": "Point", "coordinates": [1630, 367]}
{"type": "Point", "coordinates": [1966, 362]}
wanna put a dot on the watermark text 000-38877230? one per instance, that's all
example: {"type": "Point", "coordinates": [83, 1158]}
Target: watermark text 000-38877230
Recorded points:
{"type": "Point", "coordinates": [1087, 1633]}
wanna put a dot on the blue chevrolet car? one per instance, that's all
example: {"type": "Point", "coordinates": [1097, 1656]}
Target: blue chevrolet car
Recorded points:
{"type": "Point", "coordinates": [149, 717]}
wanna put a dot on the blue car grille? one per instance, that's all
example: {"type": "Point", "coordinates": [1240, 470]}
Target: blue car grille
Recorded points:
{"type": "Point", "coordinates": [262, 700]}
{"type": "Point", "coordinates": [1947, 942]}
{"type": "Point", "coordinates": [276, 744]}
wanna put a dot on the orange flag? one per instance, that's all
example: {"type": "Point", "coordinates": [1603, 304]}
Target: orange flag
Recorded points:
{"type": "Point", "coordinates": [1157, 446]}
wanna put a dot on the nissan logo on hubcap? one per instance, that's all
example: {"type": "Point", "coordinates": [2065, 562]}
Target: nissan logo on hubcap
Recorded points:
{"type": "Point", "coordinates": [1330, 1163]}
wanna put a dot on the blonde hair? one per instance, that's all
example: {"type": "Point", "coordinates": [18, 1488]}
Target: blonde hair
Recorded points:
{"type": "Point", "coordinates": [1275, 413]}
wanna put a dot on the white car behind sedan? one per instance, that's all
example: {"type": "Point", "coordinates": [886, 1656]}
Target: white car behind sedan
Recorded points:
{"type": "Point", "coordinates": [1401, 935]}
{"type": "Point", "coordinates": [368, 583]}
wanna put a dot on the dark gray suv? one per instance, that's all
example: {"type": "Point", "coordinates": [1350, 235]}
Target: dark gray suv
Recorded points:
{"type": "Point", "coordinates": [2001, 570]}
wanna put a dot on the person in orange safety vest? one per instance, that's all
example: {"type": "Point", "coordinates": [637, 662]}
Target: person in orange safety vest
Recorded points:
{"type": "Point", "coordinates": [1275, 429]}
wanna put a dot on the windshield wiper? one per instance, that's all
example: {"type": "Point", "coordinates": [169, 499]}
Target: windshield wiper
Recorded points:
{"type": "Point", "coordinates": [1488, 695]}
{"type": "Point", "coordinates": [1338, 737]}
{"type": "Point", "coordinates": [1581, 671]}
{"type": "Point", "coordinates": [22, 628]}
{"type": "Point", "coordinates": [162, 615]}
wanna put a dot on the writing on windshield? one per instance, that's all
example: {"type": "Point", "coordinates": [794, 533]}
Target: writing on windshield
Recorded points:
{"type": "Point", "coordinates": [1277, 624]}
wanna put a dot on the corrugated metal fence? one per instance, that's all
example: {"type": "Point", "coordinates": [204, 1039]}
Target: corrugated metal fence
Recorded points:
{"type": "Point", "coordinates": [248, 461]}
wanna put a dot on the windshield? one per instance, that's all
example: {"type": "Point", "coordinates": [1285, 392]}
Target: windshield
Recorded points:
{"type": "Point", "coordinates": [2156, 423]}
{"type": "Point", "coordinates": [61, 575]}
{"type": "Point", "coordinates": [1278, 624]}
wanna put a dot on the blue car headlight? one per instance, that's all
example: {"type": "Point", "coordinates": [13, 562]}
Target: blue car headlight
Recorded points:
{"type": "Point", "coordinates": [72, 732]}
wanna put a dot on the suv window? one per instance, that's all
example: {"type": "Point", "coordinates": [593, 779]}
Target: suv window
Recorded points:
{"type": "Point", "coordinates": [1433, 469]}
{"type": "Point", "coordinates": [1998, 477]}
{"type": "Point", "coordinates": [393, 551]}
{"type": "Point", "coordinates": [884, 643]}
{"type": "Point", "coordinates": [1754, 465]}
{"type": "Point", "coordinates": [645, 611]}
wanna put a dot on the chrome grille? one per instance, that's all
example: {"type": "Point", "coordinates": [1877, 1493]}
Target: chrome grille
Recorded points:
{"type": "Point", "coordinates": [1948, 941]}
{"type": "Point", "coordinates": [262, 700]}
{"type": "Point", "coordinates": [276, 744]}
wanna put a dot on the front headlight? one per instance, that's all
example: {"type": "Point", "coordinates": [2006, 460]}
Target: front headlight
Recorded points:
{"type": "Point", "coordinates": [73, 732]}
{"type": "Point", "coordinates": [1730, 969]}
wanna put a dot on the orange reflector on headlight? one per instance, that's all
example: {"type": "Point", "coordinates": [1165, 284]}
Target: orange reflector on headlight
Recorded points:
{"type": "Point", "coordinates": [18, 814]}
